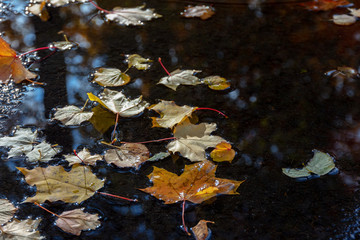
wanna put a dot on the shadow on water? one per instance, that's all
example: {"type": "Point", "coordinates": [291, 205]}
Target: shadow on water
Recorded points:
{"type": "Point", "coordinates": [281, 106]}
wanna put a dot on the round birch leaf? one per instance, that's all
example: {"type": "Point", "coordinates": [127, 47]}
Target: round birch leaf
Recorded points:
{"type": "Point", "coordinates": [216, 82]}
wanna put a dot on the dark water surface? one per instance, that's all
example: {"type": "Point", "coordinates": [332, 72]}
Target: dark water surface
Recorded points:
{"type": "Point", "coordinates": [281, 106]}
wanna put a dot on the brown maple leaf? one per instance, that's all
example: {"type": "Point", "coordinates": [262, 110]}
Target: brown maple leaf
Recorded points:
{"type": "Point", "coordinates": [11, 66]}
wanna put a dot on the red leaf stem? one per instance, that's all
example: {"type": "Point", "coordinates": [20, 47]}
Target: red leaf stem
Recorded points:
{"type": "Point", "coordinates": [47, 210]}
{"type": "Point", "coordinates": [101, 9]}
{"type": "Point", "coordinates": [159, 59]}
{"type": "Point", "coordinates": [183, 218]}
{"type": "Point", "coordinates": [116, 196]}
{"type": "Point", "coordinates": [212, 109]}
{"type": "Point", "coordinates": [158, 140]}
{"type": "Point", "coordinates": [34, 50]}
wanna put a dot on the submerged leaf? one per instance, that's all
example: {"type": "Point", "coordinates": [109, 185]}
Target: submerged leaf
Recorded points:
{"type": "Point", "coordinates": [202, 11]}
{"type": "Point", "coordinates": [223, 152]}
{"type": "Point", "coordinates": [201, 231]}
{"type": "Point", "coordinates": [21, 230]}
{"type": "Point", "coordinates": [111, 77]}
{"type": "Point", "coordinates": [7, 210]}
{"type": "Point", "coordinates": [131, 16]}
{"type": "Point", "coordinates": [72, 115]}
{"type": "Point", "coordinates": [53, 183]}
{"type": "Point", "coordinates": [180, 77]}
{"type": "Point", "coordinates": [102, 119]}
{"type": "Point", "coordinates": [128, 155]}
{"type": "Point", "coordinates": [75, 221]}
{"type": "Point", "coordinates": [140, 63]}
{"type": "Point", "coordinates": [321, 164]}
{"type": "Point", "coordinates": [85, 156]}
{"type": "Point", "coordinates": [216, 82]}
{"type": "Point", "coordinates": [159, 156]}
{"type": "Point", "coordinates": [190, 185]}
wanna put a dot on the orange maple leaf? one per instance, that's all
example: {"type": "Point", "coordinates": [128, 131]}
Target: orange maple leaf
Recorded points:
{"type": "Point", "coordinates": [11, 66]}
{"type": "Point", "coordinates": [324, 5]}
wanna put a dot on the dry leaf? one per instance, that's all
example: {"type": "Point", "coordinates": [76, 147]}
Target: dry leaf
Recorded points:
{"type": "Point", "coordinates": [111, 77]}
{"type": "Point", "coordinates": [201, 230]}
{"type": "Point", "coordinates": [216, 82]}
{"type": "Point", "coordinates": [137, 61]}
{"type": "Point", "coordinates": [202, 11]}
{"type": "Point", "coordinates": [74, 221]}
{"type": "Point", "coordinates": [54, 183]}
{"type": "Point", "coordinates": [118, 103]}
{"type": "Point", "coordinates": [344, 19]}
{"type": "Point", "coordinates": [196, 184]}
{"type": "Point", "coordinates": [192, 140]}
{"type": "Point", "coordinates": [128, 155]}
{"type": "Point", "coordinates": [21, 230]}
{"type": "Point", "coordinates": [131, 16]}
{"type": "Point", "coordinates": [324, 5]}
{"type": "Point", "coordinates": [223, 152]}
{"type": "Point", "coordinates": [170, 113]}
{"type": "Point", "coordinates": [7, 210]}
{"type": "Point", "coordinates": [180, 77]}
{"type": "Point", "coordinates": [86, 157]}
{"type": "Point", "coordinates": [72, 115]}
{"type": "Point", "coordinates": [11, 66]}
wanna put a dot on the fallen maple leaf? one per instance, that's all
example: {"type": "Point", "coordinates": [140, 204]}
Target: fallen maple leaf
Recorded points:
{"type": "Point", "coordinates": [192, 140]}
{"type": "Point", "coordinates": [74, 221]}
{"type": "Point", "coordinates": [180, 77]}
{"type": "Point", "coordinates": [201, 231]}
{"type": "Point", "coordinates": [111, 77]}
{"type": "Point", "coordinates": [216, 82]}
{"type": "Point", "coordinates": [21, 230]}
{"type": "Point", "coordinates": [170, 113]}
{"type": "Point", "coordinates": [202, 11]}
{"type": "Point", "coordinates": [223, 152]}
{"type": "Point", "coordinates": [128, 155]}
{"type": "Point", "coordinates": [324, 5]}
{"type": "Point", "coordinates": [131, 16]}
{"type": "Point", "coordinates": [196, 184]}
{"type": "Point", "coordinates": [53, 183]}
{"type": "Point", "coordinates": [72, 115]}
{"type": "Point", "coordinates": [140, 63]}
{"type": "Point", "coordinates": [7, 210]}
{"type": "Point", "coordinates": [11, 66]}
{"type": "Point", "coordinates": [85, 156]}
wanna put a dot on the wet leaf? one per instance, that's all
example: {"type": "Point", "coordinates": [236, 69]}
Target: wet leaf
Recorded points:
{"type": "Point", "coordinates": [223, 152]}
{"type": "Point", "coordinates": [85, 155]}
{"type": "Point", "coordinates": [159, 156]}
{"type": "Point", "coordinates": [43, 152]}
{"type": "Point", "coordinates": [170, 113]}
{"type": "Point", "coordinates": [22, 142]}
{"type": "Point", "coordinates": [354, 12]}
{"type": "Point", "coordinates": [11, 66]}
{"type": "Point", "coordinates": [53, 183]}
{"type": "Point", "coordinates": [216, 82]}
{"type": "Point", "coordinates": [72, 115]}
{"type": "Point", "coordinates": [344, 19]}
{"type": "Point", "coordinates": [21, 230]}
{"type": "Point", "coordinates": [118, 103]}
{"type": "Point", "coordinates": [7, 211]}
{"type": "Point", "coordinates": [131, 16]}
{"type": "Point", "coordinates": [196, 184]}
{"type": "Point", "coordinates": [192, 140]}
{"type": "Point", "coordinates": [111, 77]}
{"type": "Point", "coordinates": [128, 155]}
{"type": "Point", "coordinates": [140, 63]}
{"type": "Point", "coordinates": [201, 231]}
{"type": "Point", "coordinates": [39, 9]}
{"type": "Point", "coordinates": [180, 77]}
{"type": "Point", "coordinates": [321, 164]}
{"type": "Point", "coordinates": [75, 221]}
{"type": "Point", "coordinates": [324, 5]}
{"type": "Point", "coordinates": [201, 11]}
{"type": "Point", "coordinates": [102, 119]}
{"type": "Point", "coordinates": [65, 45]}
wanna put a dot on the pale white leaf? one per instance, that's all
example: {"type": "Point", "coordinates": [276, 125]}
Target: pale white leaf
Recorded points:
{"type": "Point", "coordinates": [72, 115]}
{"type": "Point", "coordinates": [7, 210]}
{"type": "Point", "coordinates": [21, 230]}
{"type": "Point", "coordinates": [85, 155]}
{"type": "Point", "coordinates": [180, 77]}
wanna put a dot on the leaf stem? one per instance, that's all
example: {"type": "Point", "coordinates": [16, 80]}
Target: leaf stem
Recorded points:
{"type": "Point", "coordinates": [34, 50]}
{"type": "Point", "coordinates": [82, 109]}
{"type": "Point", "coordinates": [183, 218]}
{"type": "Point", "coordinates": [158, 140]}
{"type": "Point", "coordinates": [159, 59]}
{"type": "Point", "coordinates": [212, 109]}
{"type": "Point", "coordinates": [84, 168]}
{"type": "Point", "coordinates": [116, 123]}
{"type": "Point", "coordinates": [116, 196]}
{"type": "Point", "coordinates": [101, 9]}
{"type": "Point", "coordinates": [47, 210]}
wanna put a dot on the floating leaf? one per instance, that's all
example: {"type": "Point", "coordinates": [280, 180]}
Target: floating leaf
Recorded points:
{"type": "Point", "coordinates": [137, 61]}
{"type": "Point", "coordinates": [321, 164]}
{"type": "Point", "coordinates": [128, 155]}
{"type": "Point", "coordinates": [223, 152]}
{"type": "Point", "coordinates": [191, 185]}
{"type": "Point", "coordinates": [201, 231]}
{"type": "Point", "coordinates": [131, 16]}
{"type": "Point", "coordinates": [7, 210]}
{"type": "Point", "coordinates": [324, 5]}
{"type": "Point", "coordinates": [159, 156]}
{"type": "Point", "coordinates": [43, 152]}
{"type": "Point", "coordinates": [344, 19]}
{"type": "Point", "coordinates": [102, 119]}
{"type": "Point", "coordinates": [216, 82]}
{"type": "Point", "coordinates": [53, 183]}
{"type": "Point", "coordinates": [22, 142]}
{"type": "Point", "coordinates": [21, 230]}
{"type": "Point", "coordinates": [74, 221]}
{"type": "Point", "coordinates": [192, 140]}
{"type": "Point", "coordinates": [39, 9]}
{"type": "Point", "coordinates": [65, 45]}
{"type": "Point", "coordinates": [72, 115]}
{"type": "Point", "coordinates": [85, 156]}
{"type": "Point", "coordinates": [111, 77]}
{"type": "Point", "coordinates": [201, 11]}
{"type": "Point", "coordinates": [170, 114]}
{"type": "Point", "coordinates": [180, 77]}
{"type": "Point", "coordinates": [118, 103]}
{"type": "Point", "coordinates": [11, 66]}
{"type": "Point", "coordinates": [354, 12]}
